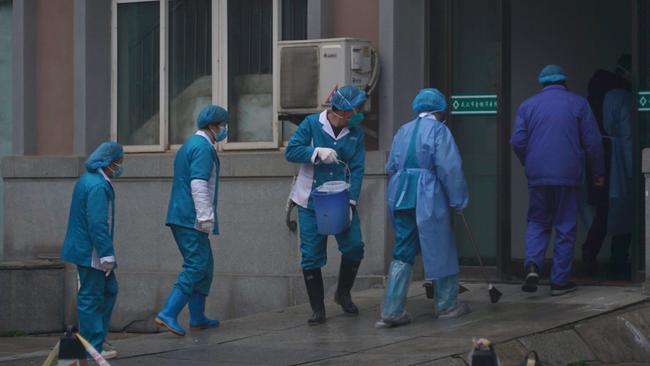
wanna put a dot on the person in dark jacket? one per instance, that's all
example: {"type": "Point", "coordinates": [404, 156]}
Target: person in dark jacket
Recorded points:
{"type": "Point", "coordinates": [553, 131]}
{"type": "Point", "coordinates": [611, 100]}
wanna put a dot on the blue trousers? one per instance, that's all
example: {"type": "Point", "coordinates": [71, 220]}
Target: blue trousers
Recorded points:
{"type": "Point", "coordinates": [313, 246]}
{"type": "Point", "coordinates": [95, 301]}
{"type": "Point", "coordinates": [407, 247]}
{"type": "Point", "coordinates": [198, 263]}
{"type": "Point", "coordinates": [552, 207]}
{"type": "Point", "coordinates": [407, 236]}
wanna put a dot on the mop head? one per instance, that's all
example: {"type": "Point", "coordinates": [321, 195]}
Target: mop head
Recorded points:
{"type": "Point", "coordinates": [428, 288]}
{"type": "Point", "coordinates": [495, 294]}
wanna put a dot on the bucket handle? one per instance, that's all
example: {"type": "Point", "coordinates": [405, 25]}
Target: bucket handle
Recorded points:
{"type": "Point", "coordinates": [348, 173]}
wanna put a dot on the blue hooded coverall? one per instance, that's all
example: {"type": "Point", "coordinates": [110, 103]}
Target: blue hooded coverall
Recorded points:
{"type": "Point", "coordinates": [426, 182]}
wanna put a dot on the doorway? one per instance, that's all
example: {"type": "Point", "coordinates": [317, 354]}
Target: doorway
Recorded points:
{"type": "Point", "coordinates": [585, 36]}
{"type": "Point", "coordinates": [497, 48]}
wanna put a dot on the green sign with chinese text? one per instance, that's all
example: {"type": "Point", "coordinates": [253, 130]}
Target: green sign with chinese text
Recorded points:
{"type": "Point", "coordinates": [484, 104]}
{"type": "Point", "coordinates": [643, 101]}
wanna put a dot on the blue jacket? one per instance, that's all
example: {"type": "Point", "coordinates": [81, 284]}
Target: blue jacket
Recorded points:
{"type": "Point", "coordinates": [553, 131]}
{"type": "Point", "coordinates": [195, 160]}
{"type": "Point", "coordinates": [91, 220]}
{"type": "Point", "coordinates": [313, 132]}
{"type": "Point", "coordinates": [426, 174]}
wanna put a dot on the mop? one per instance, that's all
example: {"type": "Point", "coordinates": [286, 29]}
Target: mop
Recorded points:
{"type": "Point", "coordinates": [495, 294]}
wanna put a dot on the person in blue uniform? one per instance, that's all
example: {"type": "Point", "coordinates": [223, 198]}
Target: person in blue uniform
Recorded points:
{"type": "Point", "coordinates": [426, 186]}
{"type": "Point", "coordinates": [323, 145]}
{"type": "Point", "coordinates": [553, 131]}
{"type": "Point", "coordinates": [89, 243]}
{"type": "Point", "coordinates": [192, 217]}
{"type": "Point", "coordinates": [610, 95]}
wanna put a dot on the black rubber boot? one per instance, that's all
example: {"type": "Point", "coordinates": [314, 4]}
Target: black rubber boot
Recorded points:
{"type": "Point", "coordinates": [347, 274]}
{"type": "Point", "coordinates": [316, 293]}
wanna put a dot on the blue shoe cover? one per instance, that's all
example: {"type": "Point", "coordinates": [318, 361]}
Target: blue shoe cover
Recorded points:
{"type": "Point", "coordinates": [399, 279]}
{"type": "Point", "coordinates": [446, 293]}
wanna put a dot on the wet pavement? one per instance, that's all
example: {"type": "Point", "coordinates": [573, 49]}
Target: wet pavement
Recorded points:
{"type": "Point", "coordinates": [284, 338]}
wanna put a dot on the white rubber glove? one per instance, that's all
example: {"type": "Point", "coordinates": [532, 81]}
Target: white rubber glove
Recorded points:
{"type": "Point", "coordinates": [206, 226]}
{"type": "Point", "coordinates": [326, 155]}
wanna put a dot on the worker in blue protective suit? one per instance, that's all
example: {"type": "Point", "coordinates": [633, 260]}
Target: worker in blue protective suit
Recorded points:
{"type": "Point", "coordinates": [426, 185]}
{"type": "Point", "coordinates": [192, 217]}
{"type": "Point", "coordinates": [89, 243]}
{"type": "Point", "coordinates": [552, 132]}
{"type": "Point", "coordinates": [323, 145]}
{"type": "Point", "coordinates": [613, 201]}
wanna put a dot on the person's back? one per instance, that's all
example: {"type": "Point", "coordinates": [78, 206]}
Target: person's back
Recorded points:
{"type": "Point", "coordinates": [558, 128]}
{"type": "Point", "coordinates": [89, 243]}
{"type": "Point", "coordinates": [612, 200]}
{"type": "Point", "coordinates": [192, 217]}
{"type": "Point", "coordinates": [197, 152]}
{"type": "Point", "coordinates": [426, 185]}
{"type": "Point", "coordinates": [82, 237]}
{"type": "Point", "coordinates": [553, 131]}
{"type": "Point", "coordinates": [601, 83]}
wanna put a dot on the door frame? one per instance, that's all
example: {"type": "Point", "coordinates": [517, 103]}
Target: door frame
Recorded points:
{"type": "Point", "coordinates": [640, 61]}
{"type": "Point", "coordinates": [504, 235]}
{"type": "Point", "coordinates": [509, 268]}
{"type": "Point", "coordinates": [444, 80]}
{"type": "Point", "coordinates": [506, 268]}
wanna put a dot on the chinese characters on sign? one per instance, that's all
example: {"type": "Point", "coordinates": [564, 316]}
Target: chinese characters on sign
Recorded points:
{"type": "Point", "coordinates": [643, 102]}
{"type": "Point", "coordinates": [474, 104]}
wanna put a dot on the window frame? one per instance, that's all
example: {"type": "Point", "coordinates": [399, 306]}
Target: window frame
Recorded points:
{"type": "Point", "coordinates": [163, 123]}
{"type": "Point", "coordinates": [219, 59]}
{"type": "Point", "coordinates": [223, 87]}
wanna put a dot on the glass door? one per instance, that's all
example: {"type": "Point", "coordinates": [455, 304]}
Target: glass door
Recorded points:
{"type": "Point", "coordinates": [465, 53]}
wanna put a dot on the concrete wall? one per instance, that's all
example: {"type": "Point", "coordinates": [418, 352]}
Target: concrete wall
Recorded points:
{"type": "Point", "coordinates": [54, 92]}
{"type": "Point", "coordinates": [357, 19]}
{"type": "Point", "coordinates": [27, 311]}
{"type": "Point", "coordinates": [6, 75]}
{"type": "Point", "coordinates": [403, 63]}
{"type": "Point", "coordinates": [92, 75]}
{"type": "Point", "coordinates": [257, 259]}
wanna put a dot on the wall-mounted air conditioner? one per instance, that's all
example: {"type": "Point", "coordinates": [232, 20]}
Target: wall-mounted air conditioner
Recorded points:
{"type": "Point", "coordinates": [311, 70]}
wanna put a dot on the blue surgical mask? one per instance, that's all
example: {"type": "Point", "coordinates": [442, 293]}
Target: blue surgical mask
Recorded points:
{"type": "Point", "coordinates": [118, 171]}
{"type": "Point", "coordinates": [356, 119]}
{"type": "Point", "coordinates": [222, 134]}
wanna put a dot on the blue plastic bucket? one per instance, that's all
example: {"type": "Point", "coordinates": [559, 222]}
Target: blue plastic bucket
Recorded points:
{"type": "Point", "coordinates": [332, 208]}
